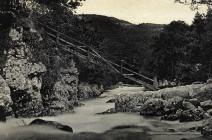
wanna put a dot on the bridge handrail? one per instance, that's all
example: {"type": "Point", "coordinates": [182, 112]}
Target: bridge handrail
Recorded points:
{"type": "Point", "coordinates": [78, 42]}
{"type": "Point", "coordinates": [131, 66]}
{"type": "Point", "coordinates": [67, 36]}
{"type": "Point", "coordinates": [140, 75]}
{"type": "Point", "coordinates": [72, 45]}
{"type": "Point", "coordinates": [95, 53]}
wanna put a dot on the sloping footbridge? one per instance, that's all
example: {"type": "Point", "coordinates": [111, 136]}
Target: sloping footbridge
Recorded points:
{"type": "Point", "coordinates": [88, 53]}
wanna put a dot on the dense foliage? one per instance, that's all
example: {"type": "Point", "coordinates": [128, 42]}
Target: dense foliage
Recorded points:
{"type": "Point", "coordinates": [195, 2]}
{"type": "Point", "coordinates": [15, 4]}
{"type": "Point", "coordinates": [120, 40]}
{"type": "Point", "coordinates": [183, 52]}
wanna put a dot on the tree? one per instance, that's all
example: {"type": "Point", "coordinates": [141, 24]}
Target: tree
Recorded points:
{"type": "Point", "coordinates": [199, 23]}
{"type": "Point", "coordinates": [15, 5]}
{"type": "Point", "coordinates": [195, 2]}
{"type": "Point", "coordinates": [207, 40]}
{"type": "Point", "coordinates": [173, 52]}
{"type": "Point", "coordinates": [66, 3]}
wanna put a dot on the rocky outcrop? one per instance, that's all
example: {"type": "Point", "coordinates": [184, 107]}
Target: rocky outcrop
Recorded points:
{"type": "Point", "coordinates": [5, 100]}
{"type": "Point", "coordinates": [153, 107]}
{"type": "Point", "coordinates": [129, 103]}
{"type": "Point", "coordinates": [24, 79]}
{"type": "Point", "coordinates": [178, 103]}
{"type": "Point", "coordinates": [86, 91]}
{"type": "Point", "coordinates": [134, 100]}
{"type": "Point", "coordinates": [43, 79]}
{"type": "Point", "coordinates": [64, 94]}
{"type": "Point", "coordinates": [29, 69]}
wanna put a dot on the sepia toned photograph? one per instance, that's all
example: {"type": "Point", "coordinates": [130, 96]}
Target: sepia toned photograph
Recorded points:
{"type": "Point", "coordinates": [105, 69]}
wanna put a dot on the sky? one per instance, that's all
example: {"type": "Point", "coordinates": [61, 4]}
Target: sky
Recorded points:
{"type": "Point", "coordinates": [140, 11]}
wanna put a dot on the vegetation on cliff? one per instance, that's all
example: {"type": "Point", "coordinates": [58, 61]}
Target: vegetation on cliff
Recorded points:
{"type": "Point", "coordinates": [43, 80]}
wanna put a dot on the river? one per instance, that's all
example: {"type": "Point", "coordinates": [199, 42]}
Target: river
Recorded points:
{"type": "Point", "coordinates": [85, 119]}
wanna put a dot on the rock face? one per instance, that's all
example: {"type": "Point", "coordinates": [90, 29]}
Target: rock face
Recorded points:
{"type": "Point", "coordinates": [41, 79]}
{"type": "Point", "coordinates": [24, 79]}
{"type": "Point", "coordinates": [27, 74]}
{"type": "Point", "coordinates": [5, 100]}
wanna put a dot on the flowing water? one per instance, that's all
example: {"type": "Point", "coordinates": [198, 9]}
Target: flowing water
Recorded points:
{"type": "Point", "coordinates": [85, 119]}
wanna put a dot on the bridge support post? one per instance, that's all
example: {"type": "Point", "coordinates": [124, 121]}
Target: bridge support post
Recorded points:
{"type": "Point", "coordinates": [88, 55]}
{"type": "Point", "coordinates": [122, 62]}
{"type": "Point", "coordinates": [155, 83]}
{"type": "Point", "coordinates": [57, 38]}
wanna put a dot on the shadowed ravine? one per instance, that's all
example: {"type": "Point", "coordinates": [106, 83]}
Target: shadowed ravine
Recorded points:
{"type": "Point", "coordinates": [107, 127]}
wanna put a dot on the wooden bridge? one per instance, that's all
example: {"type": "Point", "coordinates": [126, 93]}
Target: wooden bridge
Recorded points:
{"type": "Point", "coordinates": [88, 53]}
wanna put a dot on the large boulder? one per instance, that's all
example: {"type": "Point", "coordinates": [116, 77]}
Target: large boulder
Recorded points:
{"type": "Point", "coordinates": [169, 93]}
{"type": "Point", "coordinates": [209, 81]}
{"type": "Point", "coordinates": [204, 93]}
{"type": "Point", "coordinates": [52, 124]}
{"type": "Point", "coordinates": [188, 106]}
{"type": "Point", "coordinates": [24, 79]}
{"type": "Point", "coordinates": [206, 105]}
{"type": "Point", "coordinates": [173, 104]}
{"type": "Point", "coordinates": [153, 107]}
{"type": "Point", "coordinates": [108, 111]}
{"type": "Point", "coordinates": [194, 102]}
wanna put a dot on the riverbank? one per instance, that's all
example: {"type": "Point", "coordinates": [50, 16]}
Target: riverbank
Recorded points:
{"type": "Point", "coordinates": [88, 125]}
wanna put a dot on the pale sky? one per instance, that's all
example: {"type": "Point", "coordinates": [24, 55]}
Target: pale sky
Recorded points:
{"type": "Point", "coordinates": [139, 11]}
